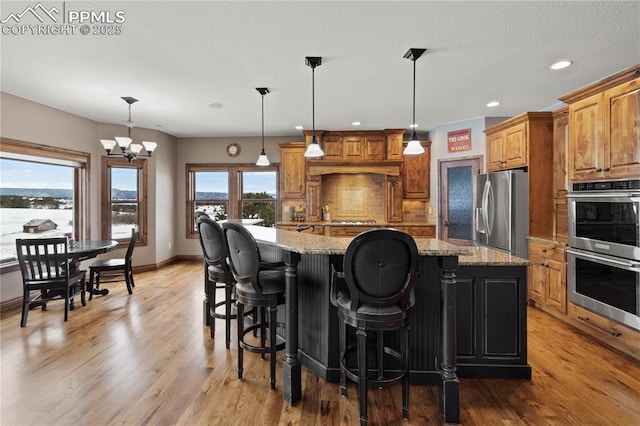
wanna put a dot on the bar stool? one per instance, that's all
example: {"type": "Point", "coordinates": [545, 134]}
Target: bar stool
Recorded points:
{"type": "Point", "coordinates": [214, 250]}
{"type": "Point", "coordinates": [379, 270]}
{"type": "Point", "coordinates": [258, 288]}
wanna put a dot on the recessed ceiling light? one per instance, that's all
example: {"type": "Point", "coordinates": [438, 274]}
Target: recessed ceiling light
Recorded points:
{"type": "Point", "coordinates": [356, 123]}
{"type": "Point", "coordinates": [493, 104]}
{"type": "Point", "coordinates": [299, 127]}
{"type": "Point", "coordinates": [216, 105]}
{"type": "Point", "coordinates": [560, 65]}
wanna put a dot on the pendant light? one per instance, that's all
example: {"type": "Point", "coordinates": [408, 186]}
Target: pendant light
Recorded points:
{"type": "Point", "coordinates": [414, 147]}
{"type": "Point", "coordinates": [313, 149]}
{"type": "Point", "coordinates": [128, 150]}
{"type": "Point", "coordinates": [262, 159]}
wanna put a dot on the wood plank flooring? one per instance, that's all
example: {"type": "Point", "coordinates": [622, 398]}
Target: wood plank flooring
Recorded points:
{"type": "Point", "coordinates": [147, 359]}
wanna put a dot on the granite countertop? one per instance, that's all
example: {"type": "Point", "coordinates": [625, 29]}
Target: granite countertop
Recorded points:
{"type": "Point", "coordinates": [331, 223]}
{"type": "Point", "coordinates": [479, 255]}
{"type": "Point", "coordinates": [548, 240]}
{"type": "Point", "coordinates": [306, 243]}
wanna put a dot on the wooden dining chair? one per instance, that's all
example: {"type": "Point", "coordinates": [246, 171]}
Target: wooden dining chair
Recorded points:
{"type": "Point", "coordinates": [113, 270]}
{"type": "Point", "coordinates": [44, 263]}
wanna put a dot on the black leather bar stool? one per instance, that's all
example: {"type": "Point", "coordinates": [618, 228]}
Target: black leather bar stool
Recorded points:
{"type": "Point", "coordinates": [373, 293]}
{"type": "Point", "coordinates": [258, 288]}
{"type": "Point", "coordinates": [217, 273]}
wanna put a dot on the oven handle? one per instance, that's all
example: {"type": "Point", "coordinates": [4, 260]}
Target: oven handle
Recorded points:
{"type": "Point", "coordinates": [595, 195]}
{"type": "Point", "coordinates": [635, 266]}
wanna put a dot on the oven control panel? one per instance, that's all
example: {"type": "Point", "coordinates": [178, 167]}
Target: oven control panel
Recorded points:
{"type": "Point", "coordinates": [616, 185]}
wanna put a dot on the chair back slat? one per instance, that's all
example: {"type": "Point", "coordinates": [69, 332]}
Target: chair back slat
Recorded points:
{"type": "Point", "coordinates": [132, 244]}
{"type": "Point", "coordinates": [43, 259]}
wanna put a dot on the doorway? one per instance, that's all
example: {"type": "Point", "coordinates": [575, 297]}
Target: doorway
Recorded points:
{"type": "Point", "coordinates": [456, 198]}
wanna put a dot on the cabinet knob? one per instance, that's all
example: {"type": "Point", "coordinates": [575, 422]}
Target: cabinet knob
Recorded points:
{"type": "Point", "coordinates": [598, 170]}
{"type": "Point", "coordinates": [544, 250]}
{"type": "Point", "coordinates": [606, 169]}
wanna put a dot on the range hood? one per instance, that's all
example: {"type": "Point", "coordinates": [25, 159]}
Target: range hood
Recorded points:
{"type": "Point", "coordinates": [320, 167]}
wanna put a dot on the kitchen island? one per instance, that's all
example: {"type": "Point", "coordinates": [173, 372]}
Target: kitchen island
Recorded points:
{"type": "Point", "coordinates": [488, 286]}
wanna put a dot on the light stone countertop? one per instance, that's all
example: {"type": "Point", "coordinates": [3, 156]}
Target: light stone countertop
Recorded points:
{"type": "Point", "coordinates": [331, 223]}
{"type": "Point", "coordinates": [479, 256]}
{"type": "Point", "coordinates": [305, 243]}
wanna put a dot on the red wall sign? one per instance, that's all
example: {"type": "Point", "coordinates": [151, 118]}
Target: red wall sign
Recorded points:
{"type": "Point", "coordinates": [459, 140]}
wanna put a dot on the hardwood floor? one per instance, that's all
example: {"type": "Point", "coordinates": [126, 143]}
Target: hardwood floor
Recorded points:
{"type": "Point", "coordinates": [148, 359]}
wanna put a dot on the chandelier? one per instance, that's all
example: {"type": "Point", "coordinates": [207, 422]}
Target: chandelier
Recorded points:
{"type": "Point", "coordinates": [128, 149]}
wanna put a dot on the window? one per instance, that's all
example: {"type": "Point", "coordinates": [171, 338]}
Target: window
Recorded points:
{"type": "Point", "coordinates": [259, 195]}
{"type": "Point", "coordinates": [239, 191]}
{"type": "Point", "coordinates": [43, 194]}
{"type": "Point", "coordinates": [124, 199]}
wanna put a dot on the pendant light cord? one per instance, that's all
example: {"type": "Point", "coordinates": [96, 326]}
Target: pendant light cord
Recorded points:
{"type": "Point", "coordinates": [313, 104]}
{"type": "Point", "coordinates": [413, 125]}
{"type": "Point", "coordinates": [263, 123]}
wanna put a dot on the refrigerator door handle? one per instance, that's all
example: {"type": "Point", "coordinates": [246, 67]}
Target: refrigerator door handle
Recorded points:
{"type": "Point", "coordinates": [479, 220]}
{"type": "Point", "coordinates": [485, 207]}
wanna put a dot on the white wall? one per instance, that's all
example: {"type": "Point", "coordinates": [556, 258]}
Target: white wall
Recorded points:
{"type": "Point", "coordinates": [214, 150]}
{"type": "Point", "coordinates": [439, 149]}
{"type": "Point", "coordinates": [28, 121]}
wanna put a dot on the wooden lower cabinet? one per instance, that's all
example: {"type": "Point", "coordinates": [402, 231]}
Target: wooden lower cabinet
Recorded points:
{"type": "Point", "coordinates": [348, 230]}
{"type": "Point", "coordinates": [548, 275]}
{"type": "Point", "coordinates": [491, 321]}
{"type": "Point", "coordinates": [606, 330]}
{"type": "Point", "coordinates": [423, 231]}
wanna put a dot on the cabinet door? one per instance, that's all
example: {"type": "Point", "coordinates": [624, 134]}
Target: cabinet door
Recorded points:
{"type": "Point", "coordinates": [394, 192]}
{"type": "Point", "coordinates": [557, 286]}
{"type": "Point", "coordinates": [586, 146]}
{"type": "Point", "coordinates": [313, 201]}
{"type": "Point", "coordinates": [622, 137]}
{"type": "Point", "coordinates": [494, 151]}
{"type": "Point", "coordinates": [394, 145]}
{"type": "Point", "coordinates": [352, 148]}
{"type": "Point", "coordinates": [560, 141]}
{"type": "Point", "coordinates": [515, 146]}
{"type": "Point", "coordinates": [537, 278]}
{"type": "Point", "coordinates": [292, 172]}
{"type": "Point", "coordinates": [332, 147]}
{"type": "Point", "coordinates": [415, 171]}
{"type": "Point", "coordinates": [374, 147]}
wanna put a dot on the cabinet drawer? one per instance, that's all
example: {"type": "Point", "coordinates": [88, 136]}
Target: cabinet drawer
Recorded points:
{"type": "Point", "coordinates": [423, 231]}
{"type": "Point", "coordinates": [318, 229]}
{"type": "Point", "coordinates": [348, 231]}
{"type": "Point", "coordinates": [547, 250]}
{"type": "Point", "coordinates": [606, 330]}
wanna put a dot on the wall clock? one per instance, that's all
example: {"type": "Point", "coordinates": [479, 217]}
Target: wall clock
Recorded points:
{"type": "Point", "coordinates": [233, 150]}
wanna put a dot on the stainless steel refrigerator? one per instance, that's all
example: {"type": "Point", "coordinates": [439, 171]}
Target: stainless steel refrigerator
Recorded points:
{"type": "Point", "coordinates": [501, 211]}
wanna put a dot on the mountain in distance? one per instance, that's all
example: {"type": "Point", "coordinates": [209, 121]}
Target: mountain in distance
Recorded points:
{"type": "Point", "coordinates": [116, 194]}
{"type": "Point", "coordinates": [38, 192]}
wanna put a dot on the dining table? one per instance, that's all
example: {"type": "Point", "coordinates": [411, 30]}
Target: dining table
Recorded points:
{"type": "Point", "coordinates": [88, 249]}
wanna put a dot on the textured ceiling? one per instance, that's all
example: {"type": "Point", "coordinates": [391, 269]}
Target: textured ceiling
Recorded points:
{"type": "Point", "coordinates": [179, 57]}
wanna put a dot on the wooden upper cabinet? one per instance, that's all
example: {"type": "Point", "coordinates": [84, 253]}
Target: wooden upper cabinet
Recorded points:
{"type": "Point", "coordinates": [495, 159]}
{"type": "Point", "coordinates": [394, 195]}
{"type": "Point", "coordinates": [374, 147]}
{"type": "Point", "coordinates": [586, 136]}
{"type": "Point", "coordinates": [394, 143]}
{"type": "Point", "coordinates": [604, 128]}
{"type": "Point", "coordinates": [622, 130]}
{"type": "Point", "coordinates": [352, 148]}
{"type": "Point", "coordinates": [508, 143]}
{"type": "Point", "coordinates": [560, 141]}
{"type": "Point", "coordinates": [332, 146]}
{"type": "Point", "coordinates": [515, 147]}
{"type": "Point", "coordinates": [292, 170]}
{"type": "Point", "coordinates": [416, 174]}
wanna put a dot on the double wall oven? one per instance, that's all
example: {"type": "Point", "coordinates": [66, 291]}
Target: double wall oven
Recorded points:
{"type": "Point", "coordinates": [604, 255]}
